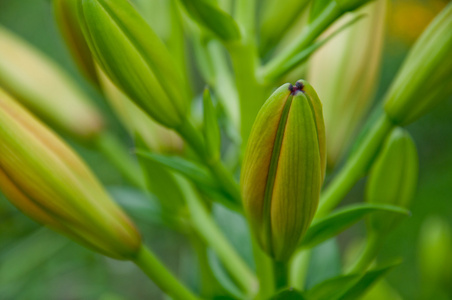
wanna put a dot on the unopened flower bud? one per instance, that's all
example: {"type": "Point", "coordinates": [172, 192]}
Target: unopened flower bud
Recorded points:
{"type": "Point", "coordinates": [45, 179]}
{"type": "Point", "coordinates": [66, 16]}
{"type": "Point", "coordinates": [435, 247]}
{"type": "Point", "coordinates": [425, 77]}
{"type": "Point", "coordinates": [393, 178]}
{"type": "Point", "coordinates": [135, 59]}
{"type": "Point", "coordinates": [284, 168]}
{"type": "Point", "coordinates": [345, 73]}
{"type": "Point", "coordinates": [45, 89]}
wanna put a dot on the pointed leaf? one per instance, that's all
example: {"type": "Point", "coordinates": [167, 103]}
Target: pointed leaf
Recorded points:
{"type": "Point", "coordinates": [211, 129]}
{"type": "Point", "coordinates": [213, 18]}
{"type": "Point", "coordinates": [348, 287]}
{"type": "Point", "coordinates": [289, 294]}
{"type": "Point", "coordinates": [327, 289]}
{"type": "Point", "coordinates": [339, 221]}
{"type": "Point", "coordinates": [190, 169]}
{"type": "Point", "coordinates": [367, 281]}
{"type": "Point", "coordinates": [222, 275]}
{"type": "Point", "coordinates": [302, 56]}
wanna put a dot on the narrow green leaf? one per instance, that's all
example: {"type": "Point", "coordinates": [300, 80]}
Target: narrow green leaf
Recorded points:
{"type": "Point", "coordinates": [348, 287]}
{"type": "Point", "coordinates": [339, 221]}
{"type": "Point", "coordinates": [317, 7]}
{"type": "Point", "coordinates": [302, 56]}
{"type": "Point", "coordinates": [212, 18]}
{"type": "Point", "coordinates": [288, 294]}
{"type": "Point", "coordinates": [189, 169]}
{"type": "Point", "coordinates": [194, 172]}
{"type": "Point", "coordinates": [160, 182]}
{"type": "Point", "coordinates": [222, 275]}
{"type": "Point", "coordinates": [327, 289]}
{"type": "Point", "coordinates": [211, 129]}
{"type": "Point", "coordinates": [367, 281]}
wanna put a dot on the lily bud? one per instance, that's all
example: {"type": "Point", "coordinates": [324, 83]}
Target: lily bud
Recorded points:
{"type": "Point", "coordinates": [345, 72]}
{"type": "Point", "coordinates": [425, 77]}
{"type": "Point", "coordinates": [393, 178]}
{"type": "Point", "coordinates": [66, 16]}
{"type": "Point", "coordinates": [435, 246]}
{"type": "Point", "coordinates": [135, 59]}
{"type": "Point", "coordinates": [45, 179]}
{"type": "Point", "coordinates": [44, 88]}
{"type": "Point", "coordinates": [284, 167]}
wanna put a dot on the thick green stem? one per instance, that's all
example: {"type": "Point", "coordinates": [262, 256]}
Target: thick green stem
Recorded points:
{"type": "Point", "coordinates": [158, 273]}
{"type": "Point", "coordinates": [216, 167]}
{"type": "Point", "coordinates": [122, 159]}
{"type": "Point", "coordinates": [212, 235]}
{"type": "Point", "coordinates": [330, 13]}
{"type": "Point", "coordinates": [264, 270]}
{"type": "Point", "coordinates": [369, 254]}
{"type": "Point", "coordinates": [355, 168]}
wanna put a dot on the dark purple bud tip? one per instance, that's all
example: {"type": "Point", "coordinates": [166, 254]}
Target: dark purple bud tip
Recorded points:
{"type": "Point", "coordinates": [297, 88]}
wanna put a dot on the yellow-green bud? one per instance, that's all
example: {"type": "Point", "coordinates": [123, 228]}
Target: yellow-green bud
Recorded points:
{"type": "Point", "coordinates": [135, 59]}
{"type": "Point", "coordinates": [45, 179]}
{"type": "Point", "coordinates": [393, 178]}
{"type": "Point", "coordinates": [426, 75]}
{"type": "Point", "coordinates": [284, 167]}
{"type": "Point", "coordinates": [45, 89]}
{"type": "Point", "coordinates": [345, 73]}
{"type": "Point", "coordinates": [66, 16]}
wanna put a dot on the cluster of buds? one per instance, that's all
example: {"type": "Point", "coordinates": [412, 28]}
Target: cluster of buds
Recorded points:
{"type": "Point", "coordinates": [46, 180]}
{"type": "Point", "coordinates": [284, 168]}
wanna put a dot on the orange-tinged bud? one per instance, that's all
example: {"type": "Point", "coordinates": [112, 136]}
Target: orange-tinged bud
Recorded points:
{"type": "Point", "coordinates": [45, 179]}
{"type": "Point", "coordinates": [284, 167]}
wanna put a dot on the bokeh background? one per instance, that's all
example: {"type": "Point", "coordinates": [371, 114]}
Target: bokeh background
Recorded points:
{"type": "Point", "coordinates": [38, 264]}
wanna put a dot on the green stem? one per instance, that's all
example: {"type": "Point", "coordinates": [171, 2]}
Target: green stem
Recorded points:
{"type": "Point", "coordinates": [272, 69]}
{"type": "Point", "coordinates": [299, 269]}
{"type": "Point", "coordinates": [355, 167]}
{"type": "Point", "coordinates": [252, 93]}
{"type": "Point", "coordinates": [216, 167]}
{"type": "Point", "coordinates": [158, 273]}
{"type": "Point", "coordinates": [122, 159]}
{"type": "Point", "coordinates": [281, 278]}
{"type": "Point", "coordinates": [212, 235]}
{"type": "Point", "coordinates": [264, 270]}
{"type": "Point", "coordinates": [369, 254]}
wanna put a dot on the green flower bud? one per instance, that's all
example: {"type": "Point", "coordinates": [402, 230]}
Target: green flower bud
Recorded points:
{"type": "Point", "coordinates": [66, 16]}
{"type": "Point", "coordinates": [392, 178]}
{"type": "Point", "coordinates": [345, 72]}
{"type": "Point", "coordinates": [284, 167]}
{"type": "Point", "coordinates": [45, 179]}
{"type": "Point", "coordinates": [135, 59]}
{"type": "Point", "coordinates": [435, 247]}
{"type": "Point", "coordinates": [426, 75]}
{"type": "Point", "coordinates": [44, 88]}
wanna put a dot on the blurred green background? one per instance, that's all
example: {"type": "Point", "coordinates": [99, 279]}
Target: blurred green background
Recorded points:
{"type": "Point", "coordinates": [57, 268]}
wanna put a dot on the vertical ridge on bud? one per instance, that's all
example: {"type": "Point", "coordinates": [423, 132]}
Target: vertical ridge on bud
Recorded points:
{"type": "Point", "coordinates": [282, 170]}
